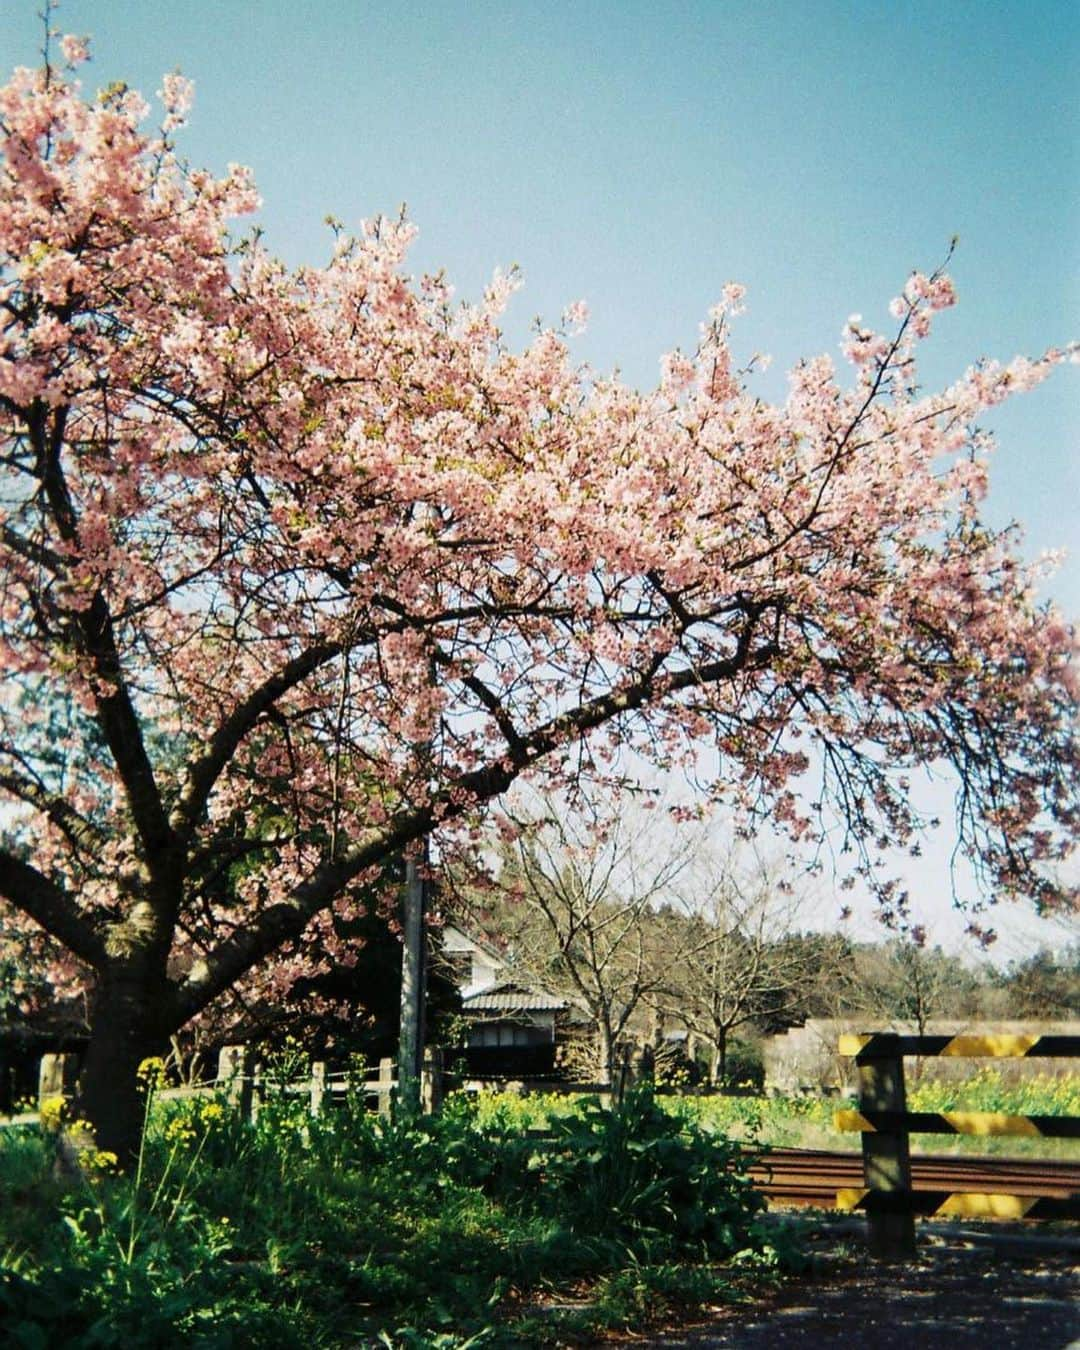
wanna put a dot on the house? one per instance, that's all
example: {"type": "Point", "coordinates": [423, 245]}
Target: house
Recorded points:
{"type": "Point", "coordinates": [512, 1028]}
{"type": "Point", "coordinates": [474, 965]}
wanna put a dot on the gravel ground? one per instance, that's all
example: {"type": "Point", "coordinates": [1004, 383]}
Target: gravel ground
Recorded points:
{"type": "Point", "coordinates": [998, 1288]}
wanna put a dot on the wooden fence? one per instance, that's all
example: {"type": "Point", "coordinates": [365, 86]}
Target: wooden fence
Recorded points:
{"type": "Point", "coordinates": [882, 1118]}
{"type": "Point", "coordinates": [245, 1081]}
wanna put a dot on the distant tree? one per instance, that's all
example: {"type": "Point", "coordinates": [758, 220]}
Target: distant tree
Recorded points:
{"type": "Point", "coordinates": [904, 980]}
{"type": "Point", "coordinates": [586, 912]}
{"type": "Point", "coordinates": [1045, 985]}
{"type": "Point", "coordinates": [828, 991]}
{"type": "Point", "coordinates": [735, 965]}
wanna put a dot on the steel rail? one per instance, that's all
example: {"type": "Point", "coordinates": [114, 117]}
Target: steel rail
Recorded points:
{"type": "Point", "coordinates": [789, 1176]}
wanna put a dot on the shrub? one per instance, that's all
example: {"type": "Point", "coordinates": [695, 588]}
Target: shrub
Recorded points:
{"type": "Point", "coordinates": [641, 1176]}
{"type": "Point", "coordinates": [292, 1231]}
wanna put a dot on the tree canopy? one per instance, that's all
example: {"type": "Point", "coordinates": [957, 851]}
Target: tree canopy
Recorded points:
{"type": "Point", "coordinates": [313, 565]}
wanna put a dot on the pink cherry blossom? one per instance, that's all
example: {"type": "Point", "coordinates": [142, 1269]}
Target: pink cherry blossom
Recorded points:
{"type": "Point", "coordinates": [300, 566]}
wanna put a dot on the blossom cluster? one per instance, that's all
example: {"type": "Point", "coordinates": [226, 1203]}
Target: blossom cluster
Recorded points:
{"type": "Point", "coordinates": [314, 564]}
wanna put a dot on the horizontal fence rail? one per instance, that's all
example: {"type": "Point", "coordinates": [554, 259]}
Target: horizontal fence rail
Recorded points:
{"type": "Point", "coordinates": [1005, 1045]}
{"type": "Point", "coordinates": [958, 1122]}
{"type": "Point", "coordinates": [888, 1198]}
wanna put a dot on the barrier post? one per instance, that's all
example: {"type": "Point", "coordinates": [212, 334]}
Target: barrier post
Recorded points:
{"type": "Point", "coordinates": [234, 1075]}
{"type": "Point", "coordinates": [318, 1086]}
{"type": "Point", "coordinates": [886, 1153]}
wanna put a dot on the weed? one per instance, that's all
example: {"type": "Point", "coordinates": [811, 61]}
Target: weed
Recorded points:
{"type": "Point", "coordinates": [334, 1231]}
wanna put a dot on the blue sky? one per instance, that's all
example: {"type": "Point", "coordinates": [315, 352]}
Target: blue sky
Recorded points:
{"type": "Point", "coordinates": [638, 156]}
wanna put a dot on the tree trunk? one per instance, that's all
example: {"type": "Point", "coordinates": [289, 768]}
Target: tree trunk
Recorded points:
{"type": "Point", "coordinates": [718, 1067]}
{"type": "Point", "coordinates": [125, 1029]}
{"type": "Point", "coordinates": [604, 1049]}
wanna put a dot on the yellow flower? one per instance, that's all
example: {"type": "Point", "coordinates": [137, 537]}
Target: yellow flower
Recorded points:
{"type": "Point", "coordinates": [179, 1130]}
{"type": "Point", "coordinates": [97, 1159]}
{"type": "Point", "coordinates": [152, 1071]}
{"type": "Point", "coordinates": [51, 1113]}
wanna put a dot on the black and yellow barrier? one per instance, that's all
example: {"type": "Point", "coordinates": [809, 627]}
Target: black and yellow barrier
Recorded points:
{"type": "Point", "coordinates": [960, 1204]}
{"type": "Point", "coordinates": [884, 1122]}
{"type": "Point", "coordinates": [958, 1122]}
{"type": "Point", "coordinates": [1008, 1045]}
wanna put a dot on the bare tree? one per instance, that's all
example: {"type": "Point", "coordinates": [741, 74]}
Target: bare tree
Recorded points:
{"type": "Point", "coordinates": [907, 981]}
{"type": "Point", "coordinates": [586, 891]}
{"type": "Point", "coordinates": [737, 962]}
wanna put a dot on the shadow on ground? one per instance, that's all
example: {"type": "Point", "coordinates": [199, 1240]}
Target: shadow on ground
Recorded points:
{"type": "Point", "coordinates": [994, 1287]}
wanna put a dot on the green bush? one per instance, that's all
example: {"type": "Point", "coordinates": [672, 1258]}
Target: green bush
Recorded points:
{"type": "Point", "coordinates": [745, 1065]}
{"type": "Point", "coordinates": [642, 1177]}
{"type": "Point", "coordinates": [338, 1230]}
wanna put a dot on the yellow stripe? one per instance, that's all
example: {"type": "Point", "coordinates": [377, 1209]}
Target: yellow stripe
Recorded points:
{"type": "Point", "coordinates": [1002, 1046]}
{"type": "Point", "coordinates": [975, 1204]}
{"type": "Point", "coordinates": [851, 1044]}
{"type": "Point", "coordinates": [849, 1197]}
{"type": "Point", "coordinates": [991, 1122]}
{"type": "Point", "coordinates": [852, 1121]}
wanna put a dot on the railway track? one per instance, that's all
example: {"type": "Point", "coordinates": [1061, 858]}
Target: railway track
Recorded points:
{"type": "Point", "coordinates": [796, 1176]}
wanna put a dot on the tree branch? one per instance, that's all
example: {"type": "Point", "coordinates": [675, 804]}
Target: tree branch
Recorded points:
{"type": "Point", "coordinates": [48, 905]}
{"type": "Point", "coordinates": [205, 771]}
{"type": "Point", "coordinates": [286, 920]}
{"type": "Point", "coordinates": [79, 832]}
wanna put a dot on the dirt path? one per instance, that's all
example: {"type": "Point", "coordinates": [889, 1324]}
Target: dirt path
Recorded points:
{"type": "Point", "coordinates": [967, 1288]}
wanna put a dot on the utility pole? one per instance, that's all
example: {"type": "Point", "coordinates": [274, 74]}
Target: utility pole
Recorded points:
{"type": "Point", "coordinates": [414, 936]}
{"type": "Point", "coordinates": [413, 981]}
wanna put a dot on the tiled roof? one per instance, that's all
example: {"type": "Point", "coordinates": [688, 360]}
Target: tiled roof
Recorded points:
{"type": "Point", "coordinates": [512, 998]}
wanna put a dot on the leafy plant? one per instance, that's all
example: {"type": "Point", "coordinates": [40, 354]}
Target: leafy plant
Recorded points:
{"type": "Point", "coordinates": [439, 1232]}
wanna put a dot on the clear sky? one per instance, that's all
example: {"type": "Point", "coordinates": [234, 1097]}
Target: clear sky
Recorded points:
{"type": "Point", "coordinates": [640, 155]}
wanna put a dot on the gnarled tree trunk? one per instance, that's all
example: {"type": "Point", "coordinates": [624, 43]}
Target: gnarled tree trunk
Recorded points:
{"type": "Point", "coordinates": [127, 1026]}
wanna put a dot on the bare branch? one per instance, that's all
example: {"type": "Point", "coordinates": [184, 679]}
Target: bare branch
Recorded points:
{"type": "Point", "coordinates": [48, 905]}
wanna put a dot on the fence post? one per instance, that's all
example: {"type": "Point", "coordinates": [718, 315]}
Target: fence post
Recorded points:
{"type": "Point", "coordinates": [386, 1086]}
{"type": "Point", "coordinates": [318, 1086]}
{"type": "Point", "coordinates": [258, 1088]}
{"type": "Point", "coordinates": [57, 1075]}
{"type": "Point", "coordinates": [234, 1075]}
{"type": "Point", "coordinates": [431, 1080]}
{"type": "Point", "coordinates": [886, 1154]}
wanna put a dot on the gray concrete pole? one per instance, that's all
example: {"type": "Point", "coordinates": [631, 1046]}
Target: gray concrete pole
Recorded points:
{"type": "Point", "coordinates": [411, 1034]}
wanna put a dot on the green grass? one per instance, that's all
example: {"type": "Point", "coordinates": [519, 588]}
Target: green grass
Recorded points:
{"type": "Point", "coordinates": [807, 1122]}
{"type": "Point", "coordinates": [346, 1231]}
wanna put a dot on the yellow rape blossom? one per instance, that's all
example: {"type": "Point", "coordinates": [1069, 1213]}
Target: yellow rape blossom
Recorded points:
{"type": "Point", "coordinates": [51, 1113]}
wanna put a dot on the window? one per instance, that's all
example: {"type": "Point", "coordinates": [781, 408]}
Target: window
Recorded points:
{"type": "Point", "coordinates": [509, 1034]}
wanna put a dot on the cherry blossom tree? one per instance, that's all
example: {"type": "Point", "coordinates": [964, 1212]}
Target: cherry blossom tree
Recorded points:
{"type": "Point", "coordinates": [265, 531]}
